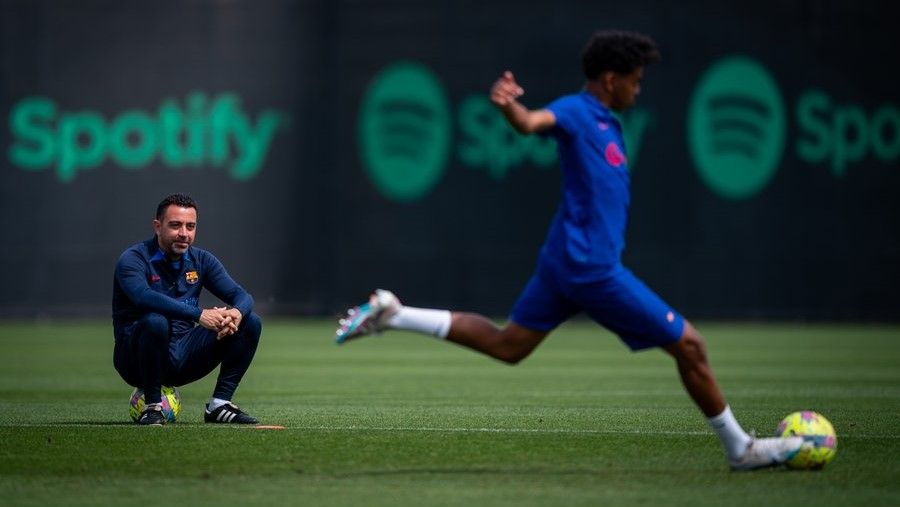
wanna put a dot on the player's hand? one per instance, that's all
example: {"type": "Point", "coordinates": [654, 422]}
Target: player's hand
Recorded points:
{"type": "Point", "coordinates": [213, 318]}
{"type": "Point", "coordinates": [506, 90]}
{"type": "Point", "coordinates": [232, 322]}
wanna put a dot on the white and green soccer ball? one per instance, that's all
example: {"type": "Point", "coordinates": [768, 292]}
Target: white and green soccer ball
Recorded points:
{"type": "Point", "coordinates": [819, 439]}
{"type": "Point", "coordinates": [171, 403]}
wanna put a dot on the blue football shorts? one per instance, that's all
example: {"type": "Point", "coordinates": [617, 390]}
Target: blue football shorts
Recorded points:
{"type": "Point", "coordinates": [619, 302]}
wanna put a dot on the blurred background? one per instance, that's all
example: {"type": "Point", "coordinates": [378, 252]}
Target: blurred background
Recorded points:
{"type": "Point", "coordinates": [338, 146]}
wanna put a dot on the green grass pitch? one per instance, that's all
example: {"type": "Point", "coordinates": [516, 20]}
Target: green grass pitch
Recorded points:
{"type": "Point", "coordinates": [405, 420]}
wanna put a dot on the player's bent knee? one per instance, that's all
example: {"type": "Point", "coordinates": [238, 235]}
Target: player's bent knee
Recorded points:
{"type": "Point", "coordinates": [251, 326]}
{"type": "Point", "coordinates": [512, 357]}
{"type": "Point", "coordinates": [690, 349]}
{"type": "Point", "coordinates": [694, 348]}
{"type": "Point", "coordinates": [513, 348]}
{"type": "Point", "coordinates": [155, 325]}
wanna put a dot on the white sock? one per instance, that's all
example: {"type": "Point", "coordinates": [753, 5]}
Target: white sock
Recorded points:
{"type": "Point", "coordinates": [423, 320]}
{"type": "Point", "coordinates": [734, 439]}
{"type": "Point", "coordinates": [215, 403]}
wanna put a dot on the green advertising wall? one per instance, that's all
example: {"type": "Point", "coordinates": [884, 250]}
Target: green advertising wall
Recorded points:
{"type": "Point", "coordinates": [335, 147]}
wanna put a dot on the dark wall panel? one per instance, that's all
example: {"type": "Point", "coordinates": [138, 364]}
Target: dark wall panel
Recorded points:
{"type": "Point", "coordinates": [338, 146]}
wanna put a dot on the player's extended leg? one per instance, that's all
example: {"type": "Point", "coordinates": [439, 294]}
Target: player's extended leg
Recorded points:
{"type": "Point", "coordinates": [510, 343]}
{"type": "Point", "coordinates": [696, 374]}
{"type": "Point", "coordinates": [744, 452]}
{"type": "Point", "coordinates": [624, 304]}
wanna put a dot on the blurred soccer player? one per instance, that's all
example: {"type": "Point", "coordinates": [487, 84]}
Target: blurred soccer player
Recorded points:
{"type": "Point", "coordinates": [579, 267]}
{"type": "Point", "coordinates": [156, 294]}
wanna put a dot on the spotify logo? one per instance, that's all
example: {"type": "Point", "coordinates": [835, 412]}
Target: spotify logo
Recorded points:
{"type": "Point", "coordinates": [404, 131]}
{"type": "Point", "coordinates": [201, 131]}
{"type": "Point", "coordinates": [407, 128]}
{"type": "Point", "coordinates": [736, 127]}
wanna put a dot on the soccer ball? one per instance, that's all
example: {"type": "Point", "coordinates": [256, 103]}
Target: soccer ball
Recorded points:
{"type": "Point", "coordinates": [171, 403]}
{"type": "Point", "coordinates": [820, 440]}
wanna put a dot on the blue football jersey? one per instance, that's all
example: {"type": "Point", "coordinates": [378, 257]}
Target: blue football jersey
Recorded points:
{"type": "Point", "coordinates": [587, 236]}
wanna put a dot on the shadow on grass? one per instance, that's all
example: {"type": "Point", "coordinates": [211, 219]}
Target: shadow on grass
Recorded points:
{"type": "Point", "coordinates": [93, 423]}
{"type": "Point", "coordinates": [467, 471]}
{"type": "Point", "coordinates": [89, 423]}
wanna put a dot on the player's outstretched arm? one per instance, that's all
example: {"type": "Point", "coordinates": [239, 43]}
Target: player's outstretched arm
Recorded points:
{"type": "Point", "coordinates": [505, 95]}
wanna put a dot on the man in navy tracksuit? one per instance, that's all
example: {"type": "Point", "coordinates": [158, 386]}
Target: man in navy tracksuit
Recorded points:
{"type": "Point", "coordinates": [156, 309]}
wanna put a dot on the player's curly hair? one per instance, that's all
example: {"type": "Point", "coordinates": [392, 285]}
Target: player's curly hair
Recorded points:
{"type": "Point", "coordinates": [617, 51]}
{"type": "Point", "coordinates": [181, 200]}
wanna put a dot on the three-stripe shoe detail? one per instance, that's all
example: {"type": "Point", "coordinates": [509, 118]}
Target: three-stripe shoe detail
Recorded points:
{"type": "Point", "coordinates": [228, 413]}
{"type": "Point", "coordinates": [226, 416]}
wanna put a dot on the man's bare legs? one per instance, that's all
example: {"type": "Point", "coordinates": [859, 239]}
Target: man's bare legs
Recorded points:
{"type": "Point", "coordinates": [513, 343]}
{"type": "Point", "coordinates": [510, 343]}
{"type": "Point", "coordinates": [696, 374]}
